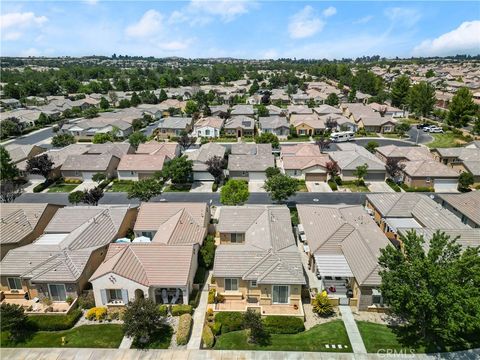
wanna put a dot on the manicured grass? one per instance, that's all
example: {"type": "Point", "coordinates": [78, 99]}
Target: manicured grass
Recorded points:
{"type": "Point", "coordinates": [445, 140]}
{"type": "Point", "coordinates": [297, 139]}
{"type": "Point", "coordinates": [120, 186]}
{"type": "Point", "coordinates": [314, 339]}
{"type": "Point", "coordinates": [302, 187]}
{"type": "Point", "coordinates": [178, 188]}
{"type": "Point", "coordinates": [161, 340]}
{"type": "Point", "coordinates": [381, 337]}
{"type": "Point", "coordinates": [85, 336]}
{"type": "Point", "coordinates": [62, 188]}
{"type": "Point", "coordinates": [353, 187]}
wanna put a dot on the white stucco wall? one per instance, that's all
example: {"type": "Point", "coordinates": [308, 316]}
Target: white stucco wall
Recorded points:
{"type": "Point", "coordinates": [200, 131]}
{"type": "Point", "coordinates": [119, 282]}
{"type": "Point", "coordinates": [127, 175]}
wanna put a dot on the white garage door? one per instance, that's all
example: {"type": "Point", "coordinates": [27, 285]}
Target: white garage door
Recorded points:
{"type": "Point", "coordinates": [87, 176]}
{"type": "Point", "coordinates": [256, 176]}
{"type": "Point", "coordinates": [445, 185]}
{"type": "Point", "coordinates": [202, 176]}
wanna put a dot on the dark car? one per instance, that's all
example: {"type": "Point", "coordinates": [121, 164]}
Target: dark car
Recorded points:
{"type": "Point", "coordinates": [421, 126]}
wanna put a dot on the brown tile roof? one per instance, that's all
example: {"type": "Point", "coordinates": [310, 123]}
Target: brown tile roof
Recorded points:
{"type": "Point", "coordinates": [304, 162]}
{"type": "Point", "coordinates": [300, 150]}
{"type": "Point", "coordinates": [141, 162]}
{"type": "Point", "coordinates": [429, 168]}
{"type": "Point", "coordinates": [158, 148]}
{"type": "Point", "coordinates": [213, 121]}
{"type": "Point", "coordinates": [408, 152]}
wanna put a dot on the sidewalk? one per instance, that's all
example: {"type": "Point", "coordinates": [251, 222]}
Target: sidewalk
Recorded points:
{"type": "Point", "coordinates": [126, 343]}
{"type": "Point", "coordinates": [352, 330]}
{"type": "Point", "coordinates": [199, 317]}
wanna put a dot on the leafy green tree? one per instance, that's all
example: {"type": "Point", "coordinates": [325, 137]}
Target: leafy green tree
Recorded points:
{"type": "Point", "coordinates": [394, 169]}
{"type": "Point", "coordinates": [137, 124]}
{"type": "Point", "coordinates": [92, 196]}
{"type": "Point", "coordinates": [102, 138]}
{"type": "Point", "coordinates": [9, 191]}
{"type": "Point", "coordinates": [75, 197]}
{"type": "Point", "coordinates": [252, 321]}
{"type": "Point", "coordinates": [43, 119]}
{"type": "Point", "coordinates": [254, 87]}
{"type": "Point", "coordinates": [40, 165]}
{"type": "Point", "coordinates": [178, 170]}
{"type": "Point", "coordinates": [476, 125]}
{"type": "Point", "coordinates": [216, 166]}
{"type": "Point", "coordinates": [104, 104]}
{"type": "Point", "coordinates": [162, 96]}
{"type": "Point", "coordinates": [186, 141]}
{"type": "Point", "coordinates": [207, 252]}
{"type": "Point", "coordinates": [421, 98]}
{"type": "Point", "coordinates": [462, 108]}
{"type": "Point", "coordinates": [332, 99]}
{"type": "Point", "coordinates": [14, 320]}
{"type": "Point", "coordinates": [234, 192]}
{"type": "Point", "coordinates": [142, 320]}
{"type": "Point", "coordinates": [137, 138]}
{"type": "Point", "coordinates": [8, 170]}
{"type": "Point", "coordinates": [268, 138]}
{"type": "Point", "coordinates": [272, 171]}
{"type": "Point", "coordinates": [124, 103]}
{"type": "Point", "coordinates": [360, 172]}
{"type": "Point", "coordinates": [433, 289]}
{"type": "Point", "coordinates": [145, 189]}
{"type": "Point", "coordinates": [9, 127]}
{"type": "Point", "coordinates": [135, 100]}
{"type": "Point", "coordinates": [99, 177]}
{"type": "Point", "coordinates": [90, 112]}
{"type": "Point", "coordinates": [402, 128]}
{"type": "Point", "coordinates": [112, 95]}
{"type": "Point", "coordinates": [465, 180]}
{"type": "Point", "coordinates": [430, 73]}
{"type": "Point", "coordinates": [62, 140]}
{"type": "Point", "coordinates": [352, 95]}
{"type": "Point", "coordinates": [371, 146]}
{"type": "Point", "coordinates": [281, 187]}
{"type": "Point", "coordinates": [323, 143]}
{"type": "Point", "coordinates": [399, 91]}
{"type": "Point", "coordinates": [262, 111]}
{"type": "Point", "coordinates": [191, 107]}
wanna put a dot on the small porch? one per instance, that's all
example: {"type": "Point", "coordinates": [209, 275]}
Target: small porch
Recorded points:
{"type": "Point", "coordinates": [242, 305]}
{"type": "Point", "coordinates": [35, 306]}
{"type": "Point", "coordinates": [170, 295]}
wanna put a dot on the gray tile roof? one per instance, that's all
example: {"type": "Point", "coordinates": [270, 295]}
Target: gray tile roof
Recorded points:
{"type": "Point", "coordinates": [88, 162]}
{"type": "Point", "coordinates": [205, 152]}
{"type": "Point", "coordinates": [174, 122]}
{"type": "Point", "coordinates": [350, 159]}
{"type": "Point", "coordinates": [273, 122]}
{"type": "Point", "coordinates": [467, 204]}
{"type": "Point", "coordinates": [240, 121]}
{"type": "Point", "coordinates": [242, 110]}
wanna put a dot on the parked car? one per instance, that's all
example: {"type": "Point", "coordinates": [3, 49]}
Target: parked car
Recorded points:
{"type": "Point", "coordinates": [422, 126]}
{"type": "Point", "coordinates": [426, 128]}
{"type": "Point", "coordinates": [436, 129]}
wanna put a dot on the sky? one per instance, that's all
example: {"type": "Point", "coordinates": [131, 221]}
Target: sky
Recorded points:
{"type": "Point", "coordinates": [239, 29]}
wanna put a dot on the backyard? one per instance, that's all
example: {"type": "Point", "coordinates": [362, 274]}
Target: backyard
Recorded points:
{"type": "Point", "coordinates": [61, 188]}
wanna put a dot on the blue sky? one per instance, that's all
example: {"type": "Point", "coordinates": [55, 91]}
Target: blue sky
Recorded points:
{"type": "Point", "coordinates": [242, 29]}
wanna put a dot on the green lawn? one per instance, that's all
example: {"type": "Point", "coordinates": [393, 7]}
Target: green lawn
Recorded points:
{"type": "Point", "coordinates": [120, 186]}
{"type": "Point", "coordinates": [62, 188]}
{"type": "Point", "coordinates": [445, 140]}
{"type": "Point", "coordinates": [85, 336]}
{"type": "Point", "coordinates": [296, 139]}
{"type": "Point", "coordinates": [302, 187]}
{"type": "Point", "coordinates": [161, 340]}
{"type": "Point", "coordinates": [178, 188]}
{"type": "Point", "coordinates": [353, 187]}
{"type": "Point", "coordinates": [314, 339]}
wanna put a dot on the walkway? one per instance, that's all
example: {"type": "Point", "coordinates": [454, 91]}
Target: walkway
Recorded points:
{"type": "Point", "coordinates": [199, 317]}
{"type": "Point", "coordinates": [352, 330]}
{"type": "Point", "coordinates": [126, 343]}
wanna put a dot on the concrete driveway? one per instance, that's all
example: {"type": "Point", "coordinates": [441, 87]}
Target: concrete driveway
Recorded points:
{"type": "Point", "coordinates": [256, 186]}
{"type": "Point", "coordinates": [202, 186]}
{"type": "Point", "coordinates": [86, 185]}
{"type": "Point", "coordinates": [379, 186]}
{"type": "Point", "coordinates": [317, 186]}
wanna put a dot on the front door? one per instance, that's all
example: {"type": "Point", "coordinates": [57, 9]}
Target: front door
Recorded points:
{"type": "Point", "coordinates": [57, 292]}
{"type": "Point", "coordinates": [239, 133]}
{"type": "Point", "coordinates": [280, 294]}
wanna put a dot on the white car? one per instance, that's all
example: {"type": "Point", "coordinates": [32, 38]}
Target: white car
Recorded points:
{"type": "Point", "coordinates": [436, 129]}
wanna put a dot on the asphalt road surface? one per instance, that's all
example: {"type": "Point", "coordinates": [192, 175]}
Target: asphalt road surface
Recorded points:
{"type": "Point", "coordinates": [418, 136]}
{"type": "Point", "coordinates": [32, 138]}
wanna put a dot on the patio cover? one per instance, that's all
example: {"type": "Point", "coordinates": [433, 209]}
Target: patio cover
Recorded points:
{"type": "Point", "coordinates": [333, 265]}
{"type": "Point", "coordinates": [397, 223]}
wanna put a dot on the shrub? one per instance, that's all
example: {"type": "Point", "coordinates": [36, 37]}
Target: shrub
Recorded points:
{"type": "Point", "coordinates": [184, 328]}
{"type": "Point", "coordinates": [321, 305]}
{"type": "Point", "coordinates": [338, 180]}
{"type": "Point", "coordinates": [230, 321]}
{"type": "Point", "coordinates": [86, 301]}
{"type": "Point", "coordinates": [163, 309]}
{"type": "Point", "coordinates": [194, 298]}
{"type": "Point", "coordinates": [393, 185]}
{"type": "Point", "coordinates": [333, 185]}
{"type": "Point", "coordinates": [283, 324]}
{"type": "Point", "coordinates": [211, 296]}
{"type": "Point", "coordinates": [55, 322]}
{"type": "Point", "coordinates": [96, 313]}
{"type": "Point", "coordinates": [207, 337]}
{"type": "Point", "coordinates": [40, 187]}
{"type": "Point", "coordinates": [214, 187]}
{"type": "Point", "coordinates": [178, 310]}
{"type": "Point", "coordinates": [219, 298]}
{"type": "Point", "coordinates": [114, 315]}
{"type": "Point", "coordinates": [216, 328]}
{"type": "Point", "coordinates": [69, 300]}
{"type": "Point", "coordinates": [207, 253]}
{"type": "Point", "coordinates": [200, 275]}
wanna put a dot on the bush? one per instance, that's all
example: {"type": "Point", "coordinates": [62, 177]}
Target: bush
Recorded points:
{"type": "Point", "coordinates": [163, 309]}
{"type": "Point", "coordinates": [333, 185]}
{"type": "Point", "coordinates": [194, 298]}
{"type": "Point", "coordinates": [40, 187]}
{"type": "Point", "coordinates": [207, 337]}
{"type": "Point", "coordinates": [178, 310]}
{"type": "Point", "coordinates": [230, 321]}
{"type": "Point", "coordinates": [214, 187]}
{"type": "Point", "coordinates": [283, 324]}
{"type": "Point", "coordinates": [393, 185]}
{"type": "Point", "coordinates": [338, 180]}
{"type": "Point", "coordinates": [211, 296]}
{"type": "Point", "coordinates": [184, 329]}
{"type": "Point", "coordinates": [417, 189]}
{"type": "Point", "coordinates": [55, 322]}
{"type": "Point", "coordinates": [96, 313]}
{"type": "Point", "coordinates": [200, 275]}
{"type": "Point", "coordinates": [207, 253]}
{"type": "Point", "coordinates": [216, 328]}
{"type": "Point", "coordinates": [321, 305]}
{"type": "Point", "coordinates": [86, 301]}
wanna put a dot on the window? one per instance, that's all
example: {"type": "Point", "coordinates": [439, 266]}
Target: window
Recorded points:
{"type": "Point", "coordinates": [236, 238]}
{"type": "Point", "coordinates": [14, 283]}
{"type": "Point", "coordinates": [253, 283]}
{"type": "Point", "coordinates": [148, 234]}
{"type": "Point", "coordinates": [207, 132]}
{"type": "Point", "coordinates": [114, 295]}
{"type": "Point", "coordinates": [428, 180]}
{"type": "Point", "coordinates": [57, 292]}
{"type": "Point", "coordinates": [280, 294]}
{"type": "Point", "coordinates": [231, 284]}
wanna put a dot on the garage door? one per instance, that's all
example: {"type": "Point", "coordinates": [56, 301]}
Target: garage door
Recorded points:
{"type": "Point", "coordinates": [202, 176]}
{"type": "Point", "coordinates": [315, 177]}
{"type": "Point", "coordinates": [256, 176]}
{"type": "Point", "coordinates": [445, 185]}
{"type": "Point", "coordinates": [371, 176]}
{"type": "Point", "coordinates": [87, 176]}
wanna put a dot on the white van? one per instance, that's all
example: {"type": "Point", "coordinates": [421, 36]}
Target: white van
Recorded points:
{"type": "Point", "coordinates": [342, 136]}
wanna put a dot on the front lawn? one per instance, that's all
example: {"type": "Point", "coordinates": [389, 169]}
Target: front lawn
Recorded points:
{"type": "Point", "coordinates": [296, 139]}
{"type": "Point", "coordinates": [315, 339]}
{"type": "Point", "coordinates": [62, 188]}
{"type": "Point", "coordinates": [85, 336]}
{"type": "Point", "coordinates": [161, 340]}
{"type": "Point", "coordinates": [178, 188]}
{"type": "Point", "coordinates": [301, 186]}
{"type": "Point", "coordinates": [121, 186]}
{"type": "Point", "coordinates": [445, 140]}
{"type": "Point", "coordinates": [353, 186]}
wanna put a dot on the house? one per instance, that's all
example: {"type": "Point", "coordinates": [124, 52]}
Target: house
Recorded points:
{"type": "Point", "coordinates": [219, 110]}
{"type": "Point", "coordinates": [208, 127]}
{"type": "Point", "coordinates": [60, 262]}
{"type": "Point", "coordinates": [298, 109]}
{"type": "Point", "coordinates": [242, 110]}
{"type": "Point", "coordinates": [304, 161]}
{"type": "Point", "coordinates": [307, 124]}
{"type": "Point", "coordinates": [275, 110]}
{"type": "Point", "coordinates": [21, 223]}
{"type": "Point", "coordinates": [279, 96]}
{"type": "Point", "coordinates": [462, 159]}
{"type": "Point", "coordinates": [351, 156]}
{"type": "Point", "coordinates": [88, 128]}
{"type": "Point", "coordinates": [10, 103]}
{"type": "Point", "coordinates": [275, 125]}
{"type": "Point", "coordinates": [366, 118]}
{"type": "Point", "coordinates": [465, 206]}
{"type": "Point", "coordinates": [26, 118]}
{"type": "Point", "coordinates": [239, 126]}
{"type": "Point", "coordinates": [250, 161]}
{"type": "Point", "coordinates": [299, 98]}
{"type": "Point", "coordinates": [173, 126]}
{"type": "Point", "coordinates": [257, 265]}
{"type": "Point", "coordinates": [431, 174]}
{"type": "Point", "coordinates": [170, 150]}
{"type": "Point", "coordinates": [200, 157]}
{"type": "Point", "coordinates": [339, 122]}
{"type": "Point", "coordinates": [19, 153]}
{"type": "Point", "coordinates": [327, 110]}
{"type": "Point", "coordinates": [343, 244]}
{"type": "Point", "coordinates": [403, 153]}
{"type": "Point", "coordinates": [388, 110]}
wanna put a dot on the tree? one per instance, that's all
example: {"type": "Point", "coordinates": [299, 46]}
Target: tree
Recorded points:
{"type": "Point", "coordinates": [254, 87]}
{"type": "Point", "coordinates": [281, 187]}
{"type": "Point", "coordinates": [145, 189]}
{"type": "Point", "coordinates": [43, 119]}
{"type": "Point", "coordinates": [102, 138]}
{"type": "Point", "coordinates": [137, 138]}
{"type": "Point", "coordinates": [90, 112]}
{"type": "Point", "coordinates": [178, 170]}
{"type": "Point", "coordinates": [433, 290]}
{"type": "Point", "coordinates": [162, 96]}
{"type": "Point", "coordinates": [395, 169]}
{"type": "Point", "coordinates": [464, 181]}
{"type": "Point", "coordinates": [421, 98]}
{"type": "Point", "coordinates": [191, 107]}
{"type": "Point", "coordinates": [216, 166]}
{"type": "Point", "coordinates": [14, 320]}
{"type": "Point", "coordinates": [124, 103]}
{"type": "Point", "coordinates": [272, 171]}
{"type": "Point", "coordinates": [92, 196]}
{"type": "Point", "coordinates": [137, 124]}
{"type": "Point", "coordinates": [461, 109]}
{"type": "Point", "coordinates": [234, 192]}
{"type": "Point", "coordinates": [332, 169]}
{"type": "Point", "coordinates": [40, 165]}
{"type": "Point", "coordinates": [62, 140]}
{"type": "Point", "coordinates": [8, 170]}
{"type": "Point", "coordinates": [104, 104]}
{"type": "Point", "coordinates": [252, 320]}
{"type": "Point", "coordinates": [99, 177]}
{"type": "Point", "coordinates": [9, 191]}
{"type": "Point", "coordinates": [142, 320]}
{"type": "Point", "coordinates": [360, 172]}
{"type": "Point", "coordinates": [430, 73]}
{"type": "Point", "coordinates": [371, 146]}
{"type": "Point", "coordinates": [186, 141]}
{"type": "Point", "coordinates": [323, 143]}
{"type": "Point", "coordinates": [268, 138]}
{"type": "Point", "coordinates": [75, 197]}
{"type": "Point", "coordinates": [402, 128]}
{"type": "Point", "coordinates": [262, 111]}
{"type": "Point", "coordinates": [321, 304]}
{"type": "Point", "coordinates": [331, 124]}
{"type": "Point", "coordinates": [332, 99]}
{"type": "Point", "coordinates": [207, 253]}
{"type": "Point", "coordinates": [135, 100]}
{"type": "Point", "coordinates": [10, 127]}
{"type": "Point", "coordinates": [399, 91]}
{"type": "Point", "coordinates": [352, 95]}
{"type": "Point", "coordinates": [113, 97]}
{"type": "Point", "coordinates": [311, 103]}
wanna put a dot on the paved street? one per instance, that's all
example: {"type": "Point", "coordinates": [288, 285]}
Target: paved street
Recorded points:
{"type": "Point", "coordinates": [35, 137]}
{"type": "Point", "coordinates": [418, 136]}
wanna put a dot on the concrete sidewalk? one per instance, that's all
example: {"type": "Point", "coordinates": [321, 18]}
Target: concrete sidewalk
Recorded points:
{"type": "Point", "coordinates": [199, 317]}
{"type": "Point", "coordinates": [352, 330]}
{"type": "Point", "coordinates": [126, 343]}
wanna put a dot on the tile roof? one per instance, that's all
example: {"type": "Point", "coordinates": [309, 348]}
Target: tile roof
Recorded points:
{"type": "Point", "coordinates": [88, 162]}
{"type": "Point", "coordinates": [158, 148]}
{"type": "Point", "coordinates": [240, 121]}
{"type": "Point", "coordinates": [300, 150]}
{"type": "Point", "coordinates": [58, 156]}
{"type": "Point", "coordinates": [429, 168]}
{"type": "Point", "coordinates": [174, 122]}
{"type": "Point", "coordinates": [467, 204]}
{"type": "Point", "coordinates": [305, 162]}
{"type": "Point", "coordinates": [141, 162]}
{"type": "Point", "coordinates": [411, 153]}
{"type": "Point", "coordinates": [312, 120]}
{"type": "Point", "coordinates": [273, 122]}
{"type": "Point", "coordinates": [211, 121]}
{"type": "Point", "coordinates": [20, 152]}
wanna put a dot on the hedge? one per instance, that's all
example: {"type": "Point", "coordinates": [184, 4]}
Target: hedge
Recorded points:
{"type": "Point", "coordinates": [184, 329]}
{"type": "Point", "coordinates": [178, 310]}
{"type": "Point", "coordinates": [200, 275]}
{"type": "Point", "coordinates": [194, 298]}
{"type": "Point", "coordinates": [55, 322]}
{"type": "Point", "coordinates": [230, 320]}
{"type": "Point", "coordinates": [333, 185]}
{"type": "Point", "coordinates": [216, 328]}
{"type": "Point", "coordinates": [283, 324]}
{"type": "Point", "coordinates": [393, 185]}
{"type": "Point", "coordinates": [163, 309]}
{"type": "Point", "coordinates": [42, 186]}
{"type": "Point", "coordinates": [417, 189]}
{"type": "Point", "coordinates": [207, 337]}
{"type": "Point", "coordinates": [211, 296]}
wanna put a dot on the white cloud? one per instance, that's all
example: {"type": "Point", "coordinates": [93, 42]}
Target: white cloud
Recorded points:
{"type": "Point", "coordinates": [270, 54]}
{"type": "Point", "coordinates": [305, 23]}
{"type": "Point", "coordinates": [177, 17]}
{"type": "Point", "coordinates": [11, 36]}
{"type": "Point", "coordinates": [91, 2]}
{"type": "Point", "coordinates": [363, 20]}
{"type": "Point", "coordinates": [149, 24]}
{"type": "Point", "coordinates": [330, 11]}
{"type": "Point", "coordinates": [21, 20]}
{"type": "Point", "coordinates": [175, 45]}
{"type": "Point", "coordinates": [463, 40]}
{"type": "Point", "coordinates": [30, 52]}
{"type": "Point", "coordinates": [226, 10]}
{"type": "Point", "coordinates": [403, 16]}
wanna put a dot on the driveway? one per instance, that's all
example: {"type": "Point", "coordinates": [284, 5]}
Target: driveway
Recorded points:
{"type": "Point", "coordinates": [317, 186]}
{"type": "Point", "coordinates": [202, 186]}
{"type": "Point", "coordinates": [379, 186]}
{"type": "Point", "coordinates": [256, 186]}
{"type": "Point", "coordinates": [86, 185]}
